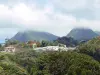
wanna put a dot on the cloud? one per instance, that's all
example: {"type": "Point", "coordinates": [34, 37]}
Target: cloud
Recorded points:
{"type": "Point", "coordinates": [88, 9]}
{"type": "Point", "coordinates": [28, 14]}
{"type": "Point", "coordinates": [70, 4]}
{"type": "Point", "coordinates": [24, 15]}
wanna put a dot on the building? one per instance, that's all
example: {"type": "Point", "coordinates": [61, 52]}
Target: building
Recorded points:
{"type": "Point", "coordinates": [54, 48]}
{"type": "Point", "coordinates": [9, 49]}
{"type": "Point", "coordinates": [33, 44]}
{"type": "Point", "coordinates": [50, 48]}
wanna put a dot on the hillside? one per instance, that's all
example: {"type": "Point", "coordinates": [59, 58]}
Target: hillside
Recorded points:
{"type": "Point", "coordinates": [92, 48]}
{"type": "Point", "coordinates": [68, 41]}
{"type": "Point", "coordinates": [29, 62]}
{"type": "Point", "coordinates": [34, 35]}
{"type": "Point", "coordinates": [82, 34]}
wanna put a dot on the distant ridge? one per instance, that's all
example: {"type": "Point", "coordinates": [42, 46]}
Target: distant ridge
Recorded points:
{"type": "Point", "coordinates": [28, 35]}
{"type": "Point", "coordinates": [82, 34]}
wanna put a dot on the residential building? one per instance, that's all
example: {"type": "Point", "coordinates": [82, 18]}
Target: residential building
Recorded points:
{"type": "Point", "coordinates": [9, 49]}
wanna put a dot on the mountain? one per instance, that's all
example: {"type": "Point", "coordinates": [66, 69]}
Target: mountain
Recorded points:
{"type": "Point", "coordinates": [82, 34]}
{"type": "Point", "coordinates": [34, 35]}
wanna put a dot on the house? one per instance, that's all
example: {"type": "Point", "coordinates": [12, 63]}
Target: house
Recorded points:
{"type": "Point", "coordinates": [33, 44]}
{"type": "Point", "coordinates": [61, 45]}
{"type": "Point", "coordinates": [47, 48]}
{"type": "Point", "coordinates": [54, 48]}
{"type": "Point", "coordinates": [9, 49]}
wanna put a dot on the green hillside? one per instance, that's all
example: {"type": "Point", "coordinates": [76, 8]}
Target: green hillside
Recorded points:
{"type": "Point", "coordinates": [82, 34]}
{"type": "Point", "coordinates": [91, 48]}
{"type": "Point", "coordinates": [68, 41]}
{"type": "Point", "coordinates": [29, 62]}
{"type": "Point", "coordinates": [34, 35]}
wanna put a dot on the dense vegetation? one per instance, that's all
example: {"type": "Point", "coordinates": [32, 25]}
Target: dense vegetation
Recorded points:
{"type": "Point", "coordinates": [85, 60]}
{"type": "Point", "coordinates": [68, 41]}
{"type": "Point", "coordinates": [9, 67]}
{"type": "Point", "coordinates": [91, 48]}
{"type": "Point", "coordinates": [48, 63]}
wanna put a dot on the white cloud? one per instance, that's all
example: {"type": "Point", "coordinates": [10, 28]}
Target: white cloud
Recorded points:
{"type": "Point", "coordinates": [23, 16]}
{"type": "Point", "coordinates": [26, 16]}
{"type": "Point", "coordinates": [70, 4]}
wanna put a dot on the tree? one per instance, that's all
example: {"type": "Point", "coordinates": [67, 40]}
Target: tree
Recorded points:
{"type": "Point", "coordinates": [69, 63]}
{"type": "Point", "coordinates": [91, 48]}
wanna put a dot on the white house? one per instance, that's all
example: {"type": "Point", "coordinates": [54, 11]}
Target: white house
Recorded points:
{"type": "Point", "coordinates": [9, 49]}
{"type": "Point", "coordinates": [54, 48]}
{"type": "Point", "coordinates": [48, 48]}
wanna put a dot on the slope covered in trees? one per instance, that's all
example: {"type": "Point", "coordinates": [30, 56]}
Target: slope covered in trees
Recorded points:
{"type": "Point", "coordinates": [85, 60]}
{"type": "Point", "coordinates": [29, 62]}
{"type": "Point", "coordinates": [34, 35]}
{"type": "Point", "coordinates": [68, 41]}
{"type": "Point", "coordinates": [91, 48]}
{"type": "Point", "coordinates": [9, 67]}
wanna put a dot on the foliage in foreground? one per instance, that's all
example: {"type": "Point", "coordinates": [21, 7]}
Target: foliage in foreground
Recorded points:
{"type": "Point", "coordinates": [29, 62]}
{"type": "Point", "coordinates": [9, 67]}
{"type": "Point", "coordinates": [68, 63]}
{"type": "Point", "coordinates": [91, 48]}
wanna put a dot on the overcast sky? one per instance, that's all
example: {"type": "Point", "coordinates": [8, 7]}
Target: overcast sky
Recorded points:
{"type": "Point", "coordinates": [54, 16]}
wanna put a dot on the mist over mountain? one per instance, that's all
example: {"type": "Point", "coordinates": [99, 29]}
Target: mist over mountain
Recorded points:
{"type": "Point", "coordinates": [82, 34]}
{"type": "Point", "coordinates": [28, 35]}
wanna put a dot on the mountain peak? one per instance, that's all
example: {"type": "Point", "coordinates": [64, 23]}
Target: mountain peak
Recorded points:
{"type": "Point", "coordinates": [82, 34]}
{"type": "Point", "coordinates": [28, 35]}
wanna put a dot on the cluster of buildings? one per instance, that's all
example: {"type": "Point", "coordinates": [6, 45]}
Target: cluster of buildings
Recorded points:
{"type": "Point", "coordinates": [13, 48]}
{"type": "Point", "coordinates": [53, 48]}
{"type": "Point", "coordinates": [34, 46]}
{"type": "Point", "coordinates": [10, 49]}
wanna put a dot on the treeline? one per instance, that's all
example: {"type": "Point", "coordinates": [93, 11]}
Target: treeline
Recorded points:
{"type": "Point", "coordinates": [68, 41]}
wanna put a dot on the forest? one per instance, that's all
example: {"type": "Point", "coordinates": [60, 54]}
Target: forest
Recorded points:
{"type": "Point", "coordinates": [84, 60]}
